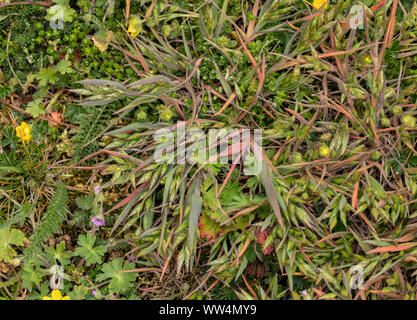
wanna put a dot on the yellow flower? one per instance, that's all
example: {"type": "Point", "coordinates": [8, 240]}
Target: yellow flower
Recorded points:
{"type": "Point", "coordinates": [324, 150]}
{"type": "Point", "coordinates": [135, 25]}
{"type": "Point", "coordinates": [56, 295]}
{"type": "Point", "coordinates": [318, 4]}
{"type": "Point", "coordinates": [23, 131]}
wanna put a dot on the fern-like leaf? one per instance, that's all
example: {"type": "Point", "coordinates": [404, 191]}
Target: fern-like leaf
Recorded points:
{"type": "Point", "coordinates": [54, 216]}
{"type": "Point", "coordinates": [91, 122]}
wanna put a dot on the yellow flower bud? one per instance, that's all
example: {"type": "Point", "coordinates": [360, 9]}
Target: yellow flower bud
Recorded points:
{"type": "Point", "coordinates": [135, 25]}
{"type": "Point", "coordinates": [324, 150]}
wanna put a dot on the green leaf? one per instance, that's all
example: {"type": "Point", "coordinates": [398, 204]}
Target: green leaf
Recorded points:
{"type": "Point", "coordinates": [63, 67]}
{"type": "Point", "coordinates": [31, 275]}
{"type": "Point", "coordinates": [78, 293]}
{"type": "Point", "coordinates": [87, 250]}
{"type": "Point", "coordinates": [208, 228]}
{"type": "Point", "coordinates": [85, 202]}
{"type": "Point", "coordinates": [266, 180]}
{"type": "Point", "coordinates": [376, 187]}
{"type": "Point", "coordinates": [59, 253]}
{"type": "Point", "coordinates": [120, 281]}
{"type": "Point", "coordinates": [195, 211]}
{"type": "Point", "coordinates": [8, 283]}
{"type": "Point", "coordinates": [7, 239]}
{"type": "Point", "coordinates": [55, 11]}
{"type": "Point", "coordinates": [25, 211]}
{"type": "Point", "coordinates": [62, 2]}
{"type": "Point", "coordinates": [35, 108]}
{"type": "Point", "coordinates": [46, 76]}
{"type": "Point", "coordinates": [329, 296]}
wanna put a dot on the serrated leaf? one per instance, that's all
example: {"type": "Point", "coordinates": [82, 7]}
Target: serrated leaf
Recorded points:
{"type": "Point", "coordinates": [59, 253]}
{"type": "Point", "coordinates": [31, 275]}
{"type": "Point", "coordinates": [46, 76]}
{"type": "Point", "coordinates": [63, 67]}
{"type": "Point", "coordinates": [78, 293]}
{"type": "Point", "coordinates": [35, 108]}
{"type": "Point", "coordinates": [87, 250]}
{"type": "Point", "coordinates": [120, 281]}
{"type": "Point", "coordinates": [7, 239]}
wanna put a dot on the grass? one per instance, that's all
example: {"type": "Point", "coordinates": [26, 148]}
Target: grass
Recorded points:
{"type": "Point", "coordinates": [332, 212]}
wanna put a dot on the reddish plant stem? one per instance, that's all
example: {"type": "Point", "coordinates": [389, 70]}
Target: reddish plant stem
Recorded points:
{"type": "Point", "coordinates": [39, 3]}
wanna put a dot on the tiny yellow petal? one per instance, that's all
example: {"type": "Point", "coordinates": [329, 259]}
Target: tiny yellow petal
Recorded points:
{"type": "Point", "coordinates": [318, 4]}
{"type": "Point", "coordinates": [56, 295]}
{"type": "Point", "coordinates": [135, 25]}
{"type": "Point", "coordinates": [133, 31]}
{"type": "Point", "coordinates": [324, 151]}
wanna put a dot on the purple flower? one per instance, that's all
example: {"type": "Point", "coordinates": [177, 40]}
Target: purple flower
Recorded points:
{"type": "Point", "coordinates": [93, 292]}
{"type": "Point", "coordinates": [97, 189]}
{"type": "Point", "coordinates": [130, 259]}
{"type": "Point", "coordinates": [304, 292]}
{"type": "Point", "coordinates": [97, 221]}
